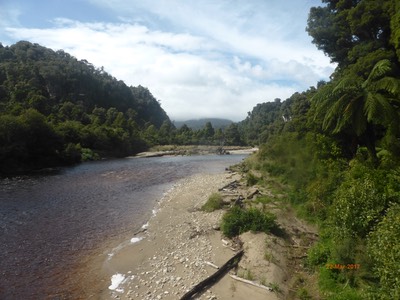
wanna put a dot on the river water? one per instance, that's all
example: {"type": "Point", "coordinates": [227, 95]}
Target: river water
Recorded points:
{"type": "Point", "coordinates": [50, 225]}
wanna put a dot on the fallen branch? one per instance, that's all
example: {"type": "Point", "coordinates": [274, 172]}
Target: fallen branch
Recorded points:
{"type": "Point", "coordinates": [251, 283]}
{"type": "Point", "coordinates": [232, 185]}
{"type": "Point", "coordinates": [233, 249]}
{"type": "Point", "coordinates": [214, 277]}
{"type": "Point", "coordinates": [211, 265]}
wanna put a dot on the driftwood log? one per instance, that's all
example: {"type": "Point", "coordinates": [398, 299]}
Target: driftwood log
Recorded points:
{"type": "Point", "coordinates": [251, 282]}
{"type": "Point", "coordinates": [230, 186]}
{"type": "Point", "coordinates": [214, 277]}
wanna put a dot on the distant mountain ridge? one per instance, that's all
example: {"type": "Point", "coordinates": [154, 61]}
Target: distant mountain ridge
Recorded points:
{"type": "Point", "coordinates": [196, 124]}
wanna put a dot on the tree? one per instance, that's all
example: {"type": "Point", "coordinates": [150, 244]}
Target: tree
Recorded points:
{"type": "Point", "coordinates": [359, 105]}
{"type": "Point", "coordinates": [395, 28]}
{"type": "Point", "coordinates": [184, 135]}
{"type": "Point", "coordinates": [350, 30]}
{"type": "Point", "coordinates": [165, 133]}
{"type": "Point", "coordinates": [232, 135]}
{"type": "Point", "coordinates": [258, 120]}
{"type": "Point", "coordinates": [208, 132]}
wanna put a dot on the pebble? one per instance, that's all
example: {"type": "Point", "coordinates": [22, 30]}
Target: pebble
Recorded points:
{"type": "Point", "coordinates": [178, 264]}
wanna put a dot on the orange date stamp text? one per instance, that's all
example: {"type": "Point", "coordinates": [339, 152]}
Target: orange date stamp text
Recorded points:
{"type": "Point", "coordinates": [342, 266]}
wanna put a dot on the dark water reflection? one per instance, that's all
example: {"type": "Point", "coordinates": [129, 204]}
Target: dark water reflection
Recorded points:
{"type": "Point", "coordinates": [49, 223]}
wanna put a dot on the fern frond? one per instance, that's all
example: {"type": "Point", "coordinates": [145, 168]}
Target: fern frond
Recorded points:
{"type": "Point", "coordinates": [334, 113]}
{"type": "Point", "coordinates": [378, 109]}
{"type": "Point", "coordinates": [346, 85]}
{"type": "Point", "coordinates": [381, 68]}
{"type": "Point", "coordinates": [322, 101]}
{"type": "Point", "coordinates": [389, 85]}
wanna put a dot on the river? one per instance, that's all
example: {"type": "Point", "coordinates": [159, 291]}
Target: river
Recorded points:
{"type": "Point", "coordinates": [52, 225]}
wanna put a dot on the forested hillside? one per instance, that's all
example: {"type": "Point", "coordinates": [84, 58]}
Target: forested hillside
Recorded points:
{"type": "Point", "coordinates": [55, 109]}
{"type": "Point", "coordinates": [337, 148]}
{"type": "Point", "coordinates": [197, 124]}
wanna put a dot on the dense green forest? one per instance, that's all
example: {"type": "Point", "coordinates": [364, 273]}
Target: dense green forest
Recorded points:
{"type": "Point", "coordinates": [197, 124]}
{"type": "Point", "coordinates": [337, 147]}
{"type": "Point", "coordinates": [57, 110]}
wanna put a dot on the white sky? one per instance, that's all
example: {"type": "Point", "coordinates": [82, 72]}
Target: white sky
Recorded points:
{"type": "Point", "coordinates": [204, 58]}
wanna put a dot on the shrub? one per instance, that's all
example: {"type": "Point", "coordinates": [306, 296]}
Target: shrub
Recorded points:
{"type": "Point", "coordinates": [214, 202]}
{"type": "Point", "coordinates": [238, 220]}
{"type": "Point", "coordinates": [319, 254]}
{"type": "Point", "coordinates": [88, 154]}
{"type": "Point", "coordinates": [359, 202]}
{"type": "Point", "coordinates": [384, 249]}
{"type": "Point", "coordinates": [72, 153]}
{"type": "Point", "coordinates": [251, 179]}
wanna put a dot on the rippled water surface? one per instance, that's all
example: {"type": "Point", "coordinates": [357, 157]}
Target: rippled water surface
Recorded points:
{"type": "Point", "coordinates": [48, 224]}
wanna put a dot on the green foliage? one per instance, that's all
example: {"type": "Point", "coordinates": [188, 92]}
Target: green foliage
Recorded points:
{"type": "Point", "coordinates": [303, 294]}
{"type": "Point", "coordinates": [238, 220]}
{"type": "Point", "coordinates": [384, 249]}
{"type": "Point", "coordinates": [72, 153]}
{"type": "Point", "coordinates": [346, 30]}
{"type": "Point", "coordinates": [288, 156]}
{"type": "Point", "coordinates": [264, 199]}
{"type": "Point", "coordinates": [337, 148]}
{"type": "Point", "coordinates": [27, 138]}
{"type": "Point", "coordinates": [359, 105]}
{"type": "Point", "coordinates": [395, 27]}
{"type": "Point", "coordinates": [319, 254]}
{"type": "Point", "coordinates": [335, 287]}
{"type": "Point", "coordinates": [50, 102]}
{"type": "Point", "coordinates": [359, 202]}
{"type": "Point", "coordinates": [88, 154]}
{"type": "Point", "coordinates": [251, 179]}
{"type": "Point", "coordinates": [258, 120]}
{"type": "Point", "coordinates": [214, 202]}
{"type": "Point", "coordinates": [232, 135]}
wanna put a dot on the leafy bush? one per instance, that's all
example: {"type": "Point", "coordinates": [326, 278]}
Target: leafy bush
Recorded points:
{"type": "Point", "coordinates": [238, 220]}
{"type": "Point", "coordinates": [359, 201]}
{"type": "Point", "coordinates": [88, 154]}
{"type": "Point", "coordinates": [319, 253]}
{"type": "Point", "coordinates": [214, 202]}
{"type": "Point", "coordinates": [334, 286]}
{"type": "Point", "coordinates": [251, 179]}
{"type": "Point", "coordinates": [72, 153]}
{"type": "Point", "coordinates": [384, 249]}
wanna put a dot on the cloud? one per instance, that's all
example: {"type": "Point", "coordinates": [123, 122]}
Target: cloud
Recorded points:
{"type": "Point", "coordinates": [203, 59]}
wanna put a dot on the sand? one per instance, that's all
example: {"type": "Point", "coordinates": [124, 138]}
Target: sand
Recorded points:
{"type": "Point", "coordinates": [175, 251]}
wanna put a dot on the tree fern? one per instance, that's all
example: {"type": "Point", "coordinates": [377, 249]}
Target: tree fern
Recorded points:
{"type": "Point", "coordinates": [380, 69]}
{"type": "Point", "coordinates": [357, 104]}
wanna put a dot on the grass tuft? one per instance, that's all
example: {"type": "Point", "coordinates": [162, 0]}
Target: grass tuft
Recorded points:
{"type": "Point", "coordinates": [214, 202]}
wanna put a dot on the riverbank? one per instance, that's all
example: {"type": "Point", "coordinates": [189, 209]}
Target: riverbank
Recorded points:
{"type": "Point", "coordinates": [181, 244]}
{"type": "Point", "coordinates": [170, 256]}
{"type": "Point", "coordinates": [195, 150]}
